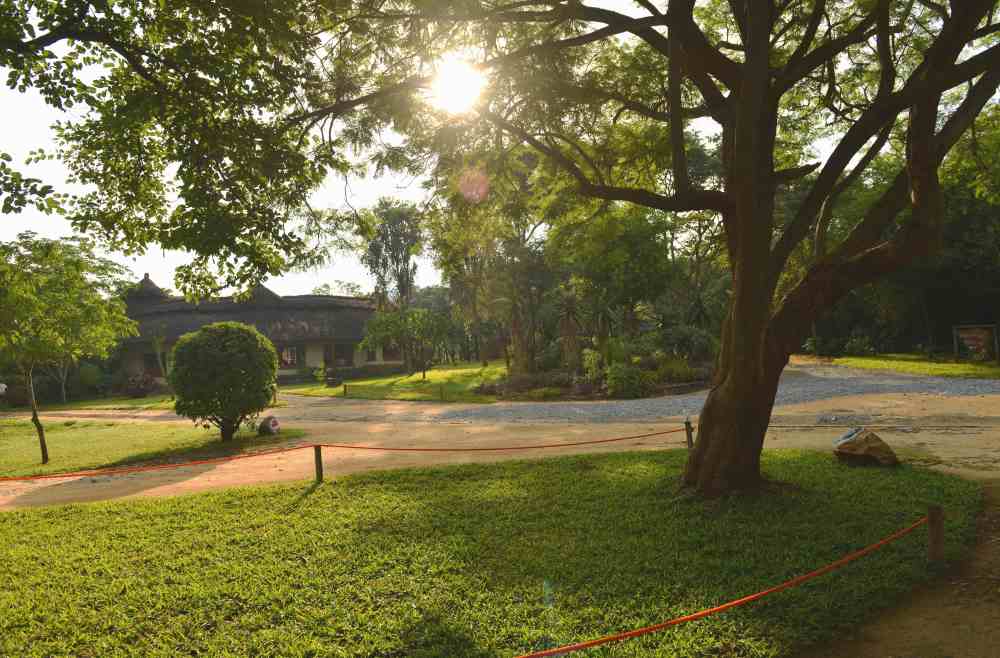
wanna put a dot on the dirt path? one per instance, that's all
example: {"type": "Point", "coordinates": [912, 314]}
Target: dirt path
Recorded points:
{"type": "Point", "coordinates": [960, 435]}
{"type": "Point", "coordinates": [957, 616]}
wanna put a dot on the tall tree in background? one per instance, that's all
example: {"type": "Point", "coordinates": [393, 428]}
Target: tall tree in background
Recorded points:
{"type": "Point", "coordinates": [393, 236]}
{"type": "Point", "coordinates": [61, 302]}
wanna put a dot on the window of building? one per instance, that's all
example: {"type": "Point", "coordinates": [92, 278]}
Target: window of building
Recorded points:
{"type": "Point", "coordinates": [391, 353]}
{"type": "Point", "coordinates": [370, 356]}
{"type": "Point", "coordinates": [289, 356]}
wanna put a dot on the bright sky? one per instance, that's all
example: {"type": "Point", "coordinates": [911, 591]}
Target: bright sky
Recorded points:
{"type": "Point", "coordinates": [26, 126]}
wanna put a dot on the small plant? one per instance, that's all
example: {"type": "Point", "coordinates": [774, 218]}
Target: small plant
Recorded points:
{"type": "Point", "coordinates": [859, 345]}
{"type": "Point", "coordinates": [674, 370]}
{"type": "Point", "coordinates": [139, 386]}
{"type": "Point", "coordinates": [593, 366]}
{"type": "Point", "coordinates": [628, 381]}
{"type": "Point", "coordinates": [224, 374]}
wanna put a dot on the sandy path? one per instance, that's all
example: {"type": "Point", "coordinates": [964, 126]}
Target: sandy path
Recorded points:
{"type": "Point", "coordinates": [956, 434]}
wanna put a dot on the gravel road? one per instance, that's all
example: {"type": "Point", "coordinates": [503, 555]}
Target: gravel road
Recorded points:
{"type": "Point", "coordinates": [799, 383]}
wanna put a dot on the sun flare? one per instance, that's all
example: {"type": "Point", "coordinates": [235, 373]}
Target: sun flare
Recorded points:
{"type": "Point", "coordinates": [457, 85]}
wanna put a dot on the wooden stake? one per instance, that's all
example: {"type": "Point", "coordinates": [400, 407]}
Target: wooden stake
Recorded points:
{"type": "Point", "coordinates": [689, 431]}
{"type": "Point", "coordinates": [318, 458]}
{"type": "Point", "coordinates": [935, 534]}
{"type": "Point", "coordinates": [345, 390]}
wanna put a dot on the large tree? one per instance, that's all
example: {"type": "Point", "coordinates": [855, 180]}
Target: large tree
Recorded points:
{"type": "Point", "coordinates": [60, 302]}
{"type": "Point", "coordinates": [598, 92]}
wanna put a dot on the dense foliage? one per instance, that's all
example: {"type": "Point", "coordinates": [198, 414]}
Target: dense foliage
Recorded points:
{"type": "Point", "coordinates": [224, 374]}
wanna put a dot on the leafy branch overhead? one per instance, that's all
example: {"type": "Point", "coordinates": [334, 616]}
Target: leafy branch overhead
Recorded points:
{"type": "Point", "coordinates": [756, 115]}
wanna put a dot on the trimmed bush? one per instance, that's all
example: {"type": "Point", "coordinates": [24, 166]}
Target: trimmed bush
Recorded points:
{"type": "Point", "coordinates": [224, 374]}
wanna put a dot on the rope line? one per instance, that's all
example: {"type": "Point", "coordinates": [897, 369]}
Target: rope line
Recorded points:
{"type": "Point", "coordinates": [152, 467]}
{"type": "Point", "coordinates": [346, 446]}
{"type": "Point", "coordinates": [536, 447]}
{"type": "Point", "coordinates": [798, 580]}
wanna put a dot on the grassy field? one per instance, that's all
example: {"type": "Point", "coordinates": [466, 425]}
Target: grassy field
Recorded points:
{"type": "Point", "coordinates": [918, 364]}
{"type": "Point", "coordinates": [456, 383]}
{"type": "Point", "coordinates": [87, 444]}
{"type": "Point", "coordinates": [117, 403]}
{"type": "Point", "coordinates": [474, 560]}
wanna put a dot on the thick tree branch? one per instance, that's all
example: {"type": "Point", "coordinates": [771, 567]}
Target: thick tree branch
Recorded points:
{"type": "Point", "coordinates": [678, 162]}
{"type": "Point", "coordinates": [693, 200]}
{"type": "Point", "coordinates": [819, 8]}
{"type": "Point", "coordinates": [936, 74]}
{"type": "Point", "coordinates": [861, 258]}
{"type": "Point", "coordinates": [798, 69]}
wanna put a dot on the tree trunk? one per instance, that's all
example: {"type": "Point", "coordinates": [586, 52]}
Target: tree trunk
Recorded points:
{"type": "Point", "coordinates": [523, 362]}
{"type": "Point", "coordinates": [34, 417]}
{"type": "Point", "coordinates": [733, 423]}
{"type": "Point", "coordinates": [63, 376]}
{"type": "Point", "coordinates": [228, 430]}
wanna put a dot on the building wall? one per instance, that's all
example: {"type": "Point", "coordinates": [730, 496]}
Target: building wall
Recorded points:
{"type": "Point", "coordinates": [314, 355]}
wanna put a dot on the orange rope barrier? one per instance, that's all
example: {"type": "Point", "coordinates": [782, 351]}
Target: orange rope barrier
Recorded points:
{"type": "Point", "coordinates": [798, 580]}
{"type": "Point", "coordinates": [263, 453]}
{"type": "Point", "coordinates": [548, 445]}
{"type": "Point", "coordinates": [153, 467]}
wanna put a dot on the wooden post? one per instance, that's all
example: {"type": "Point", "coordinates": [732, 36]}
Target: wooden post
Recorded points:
{"type": "Point", "coordinates": [345, 390]}
{"type": "Point", "coordinates": [935, 534]}
{"type": "Point", "coordinates": [689, 431]}
{"type": "Point", "coordinates": [318, 458]}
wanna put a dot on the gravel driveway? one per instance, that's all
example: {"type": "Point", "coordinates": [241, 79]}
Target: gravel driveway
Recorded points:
{"type": "Point", "coordinates": [799, 383]}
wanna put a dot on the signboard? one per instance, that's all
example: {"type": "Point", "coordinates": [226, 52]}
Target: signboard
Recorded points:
{"type": "Point", "coordinates": [976, 342]}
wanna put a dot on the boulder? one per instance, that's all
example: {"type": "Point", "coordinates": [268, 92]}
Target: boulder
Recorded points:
{"type": "Point", "coordinates": [269, 426]}
{"type": "Point", "coordinates": [862, 446]}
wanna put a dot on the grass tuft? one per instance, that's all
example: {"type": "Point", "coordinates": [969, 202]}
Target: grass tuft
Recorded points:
{"type": "Point", "coordinates": [472, 560]}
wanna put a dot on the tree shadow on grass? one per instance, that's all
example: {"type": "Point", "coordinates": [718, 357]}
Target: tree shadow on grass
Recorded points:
{"type": "Point", "coordinates": [90, 489]}
{"type": "Point", "coordinates": [617, 548]}
{"type": "Point", "coordinates": [432, 637]}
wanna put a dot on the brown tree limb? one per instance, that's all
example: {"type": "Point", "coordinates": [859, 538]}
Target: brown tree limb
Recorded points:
{"type": "Point", "coordinates": [695, 199]}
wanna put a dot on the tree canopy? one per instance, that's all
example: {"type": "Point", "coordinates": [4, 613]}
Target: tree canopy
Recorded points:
{"type": "Point", "coordinates": [61, 302]}
{"type": "Point", "coordinates": [760, 115]}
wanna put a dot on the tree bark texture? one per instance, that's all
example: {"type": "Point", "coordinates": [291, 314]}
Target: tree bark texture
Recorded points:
{"type": "Point", "coordinates": [29, 376]}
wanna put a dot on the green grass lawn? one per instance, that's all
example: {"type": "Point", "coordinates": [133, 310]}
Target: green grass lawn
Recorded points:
{"type": "Point", "coordinates": [457, 383]}
{"type": "Point", "coordinates": [918, 364]}
{"type": "Point", "coordinates": [88, 444]}
{"type": "Point", "coordinates": [117, 403]}
{"type": "Point", "coordinates": [472, 560]}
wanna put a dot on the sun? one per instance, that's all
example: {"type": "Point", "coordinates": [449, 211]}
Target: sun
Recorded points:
{"type": "Point", "coordinates": [457, 85]}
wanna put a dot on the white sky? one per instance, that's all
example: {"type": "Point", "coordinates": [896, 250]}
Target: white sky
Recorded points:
{"type": "Point", "coordinates": [26, 121]}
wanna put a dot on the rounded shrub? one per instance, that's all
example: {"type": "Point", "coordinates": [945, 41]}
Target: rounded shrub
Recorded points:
{"type": "Point", "coordinates": [224, 374]}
